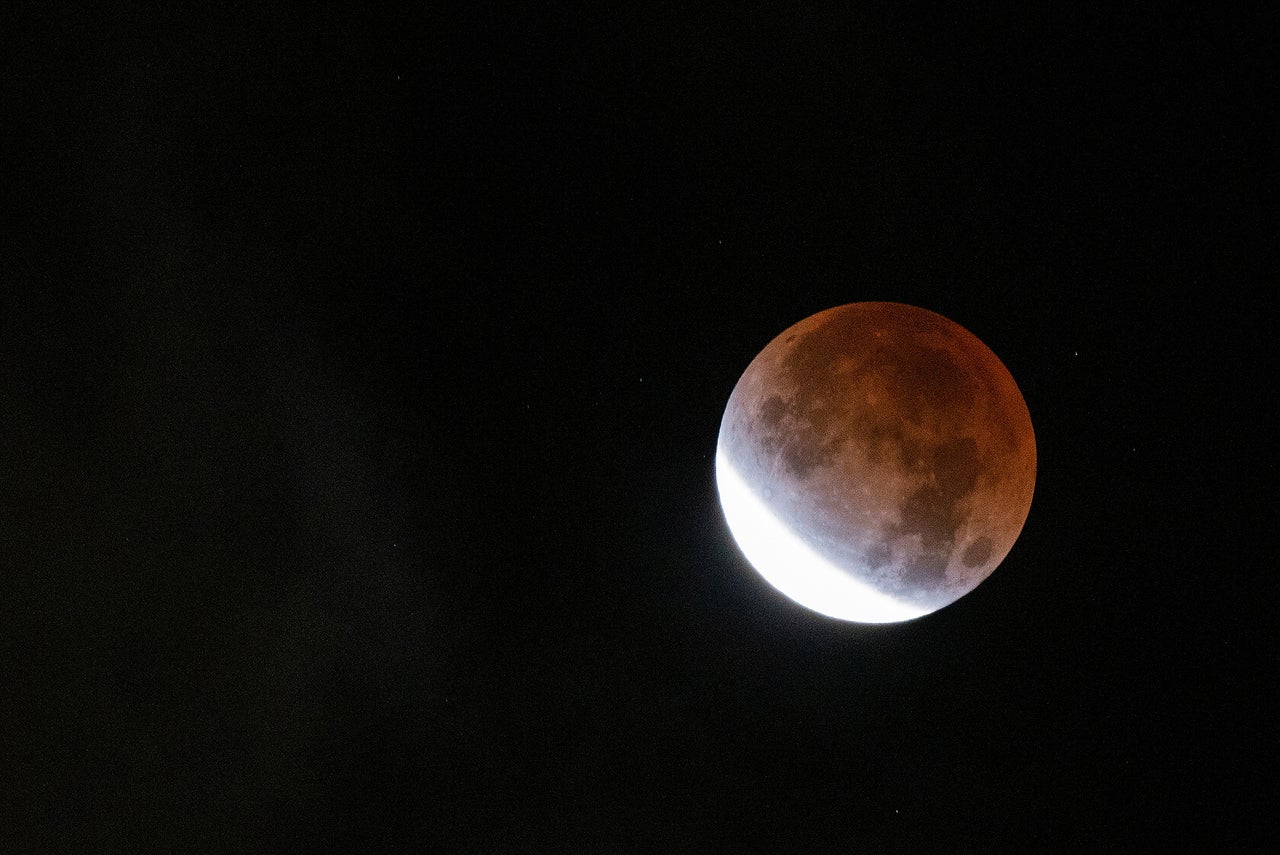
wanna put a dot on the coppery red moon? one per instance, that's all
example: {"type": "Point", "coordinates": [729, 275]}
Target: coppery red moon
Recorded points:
{"type": "Point", "coordinates": [876, 462]}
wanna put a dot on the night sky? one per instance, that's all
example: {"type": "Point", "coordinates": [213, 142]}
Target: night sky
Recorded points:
{"type": "Point", "coordinates": [361, 378]}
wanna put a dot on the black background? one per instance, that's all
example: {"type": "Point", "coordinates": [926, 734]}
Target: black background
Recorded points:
{"type": "Point", "coordinates": [362, 372]}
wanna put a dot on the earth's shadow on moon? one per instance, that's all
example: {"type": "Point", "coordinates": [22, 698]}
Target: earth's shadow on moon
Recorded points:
{"type": "Point", "coordinates": [891, 442]}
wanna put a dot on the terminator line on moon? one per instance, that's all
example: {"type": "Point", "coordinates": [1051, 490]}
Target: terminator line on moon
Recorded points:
{"type": "Point", "coordinates": [876, 462]}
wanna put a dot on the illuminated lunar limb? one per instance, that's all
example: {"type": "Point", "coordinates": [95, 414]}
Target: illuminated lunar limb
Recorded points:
{"type": "Point", "coordinates": [792, 566]}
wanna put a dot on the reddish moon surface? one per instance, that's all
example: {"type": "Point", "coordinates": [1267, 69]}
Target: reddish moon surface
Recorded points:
{"type": "Point", "coordinates": [876, 462]}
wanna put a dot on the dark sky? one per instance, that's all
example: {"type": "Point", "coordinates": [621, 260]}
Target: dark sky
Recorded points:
{"type": "Point", "coordinates": [361, 380]}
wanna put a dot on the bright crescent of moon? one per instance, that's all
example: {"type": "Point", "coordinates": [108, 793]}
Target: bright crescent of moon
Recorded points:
{"type": "Point", "coordinates": [792, 566]}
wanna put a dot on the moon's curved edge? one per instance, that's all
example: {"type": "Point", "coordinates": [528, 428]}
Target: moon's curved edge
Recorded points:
{"type": "Point", "coordinates": [792, 567]}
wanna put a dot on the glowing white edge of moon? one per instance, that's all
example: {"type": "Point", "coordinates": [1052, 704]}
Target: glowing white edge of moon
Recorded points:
{"type": "Point", "coordinates": [792, 566]}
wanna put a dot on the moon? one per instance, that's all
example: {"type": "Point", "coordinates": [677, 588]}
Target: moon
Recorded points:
{"type": "Point", "coordinates": [876, 462]}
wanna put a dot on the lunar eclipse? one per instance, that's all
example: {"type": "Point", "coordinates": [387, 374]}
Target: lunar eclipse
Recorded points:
{"type": "Point", "coordinates": [876, 462]}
